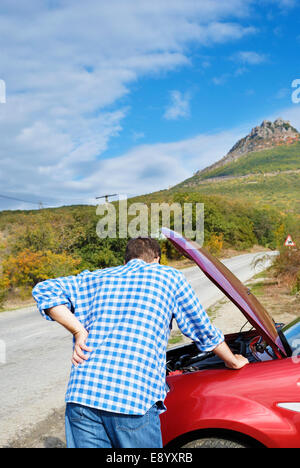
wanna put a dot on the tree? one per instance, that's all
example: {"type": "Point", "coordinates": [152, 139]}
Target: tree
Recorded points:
{"type": "Point", "coordinates": [29, 268]}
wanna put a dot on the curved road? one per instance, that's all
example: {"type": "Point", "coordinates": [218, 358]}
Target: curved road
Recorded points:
{"type": "Point", "coordinates": [35, 355]}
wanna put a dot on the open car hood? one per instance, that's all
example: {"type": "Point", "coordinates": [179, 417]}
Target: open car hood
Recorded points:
{"type": "Point", "coordinates": [231, 286]}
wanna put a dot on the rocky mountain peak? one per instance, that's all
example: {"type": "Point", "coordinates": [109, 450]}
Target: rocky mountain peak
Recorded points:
{"type": "Point", "coordinates": [267, 135]}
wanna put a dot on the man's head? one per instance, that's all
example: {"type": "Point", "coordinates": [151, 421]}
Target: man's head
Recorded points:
{"type": "Point", "coordinates": [145, 248]}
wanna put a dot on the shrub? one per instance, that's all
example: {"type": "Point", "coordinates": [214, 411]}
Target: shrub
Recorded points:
{"type": "Point", "coordinates": [287, 267]}
{"type": "Point", "coordinates": [4, 285]}
{"type": "Point", "coordinates": [215, 243]}
{"type": "Point", "coordinates": [296, 286]}
{"type": "Point", "coordinates": [28, 268]}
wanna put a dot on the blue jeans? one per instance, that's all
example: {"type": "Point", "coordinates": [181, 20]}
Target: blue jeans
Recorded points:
{"type": "Point", "coordinates": [93, 428]}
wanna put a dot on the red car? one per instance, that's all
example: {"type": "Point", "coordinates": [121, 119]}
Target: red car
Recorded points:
{"type": "Point", "coordinates": [209, 405]}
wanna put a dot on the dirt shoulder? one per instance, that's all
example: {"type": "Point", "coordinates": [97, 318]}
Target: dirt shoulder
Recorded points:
{"type": "Point", "coordinates": [49, 433]}
{"type": "Point", "coordinates": [276, 298]}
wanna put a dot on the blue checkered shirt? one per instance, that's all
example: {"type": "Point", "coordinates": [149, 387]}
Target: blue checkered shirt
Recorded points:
{"type": "Point", "coordinates": [127, 311]}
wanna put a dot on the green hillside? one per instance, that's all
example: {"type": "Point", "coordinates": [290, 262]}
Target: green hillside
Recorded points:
{"type": "Point", "coordinates": [278, 191]}
{"type": "Point", "coordinates": [278, 159]}
{"type": "Point", "coordinates": [269, 178]}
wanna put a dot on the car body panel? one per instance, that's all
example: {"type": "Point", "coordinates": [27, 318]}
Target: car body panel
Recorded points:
{"type": "Point", "coordinates": [243, 401]}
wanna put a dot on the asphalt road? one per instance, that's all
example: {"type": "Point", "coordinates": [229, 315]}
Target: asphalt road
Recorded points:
{"type": "Point", "coordinates": [35, 355]}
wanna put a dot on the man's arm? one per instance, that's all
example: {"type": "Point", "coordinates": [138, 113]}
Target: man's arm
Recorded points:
{"type": "Point", "coordinates": [56, 300]}
{"type": "Point", "coordinates": [62, 315]}
{"type": "Point", "coordinates": [232, 361]}
{"type": "Point", "coordinates": [194, 322]}
{"type": "Point", "coordinates": [54, 292]}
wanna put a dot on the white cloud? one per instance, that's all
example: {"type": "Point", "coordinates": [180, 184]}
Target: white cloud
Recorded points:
{"type": "Point", "coordinates": [138, 135]}
{"type": "Point", "coordinates": [250, 57]}
{"type": "Point", "coordinates": [243, 59]}
{"type": "Point", "coordinates": [222, 79]}
{"type": "Point", "coordinates": [289, 113]}
{"type": "Point", "coordinates": [66, 63]}
{"type": "Point", "coordinates": [179, 106]}
{"type": "Point", "coordinates": [147, 168]}
{"type": "Point", "coordinates": [282, 93]}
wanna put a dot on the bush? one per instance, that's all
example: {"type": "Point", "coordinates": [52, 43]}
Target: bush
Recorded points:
{"type": "Point", "coordinates": [287, 267]}
{"type": "Point", "coordinates": [29, 268]}
{"type": "Point", "coordinates": [266, 227]}
{"type": "Point", "coordinates": [215, 243]}
{"type": "Point", "coordinates": [296, 286]}
{"type": "Point", "coordinates": [4, 284]}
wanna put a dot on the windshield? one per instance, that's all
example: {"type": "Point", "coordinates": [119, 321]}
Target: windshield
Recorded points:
{"type": "Point", "coordinates": [290, 335]}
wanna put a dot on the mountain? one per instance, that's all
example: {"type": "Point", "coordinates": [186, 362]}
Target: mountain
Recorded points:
{"type": "Point", "coordinates": [261, 169]}
{"type": "Point", "coordinates": [267, 135]}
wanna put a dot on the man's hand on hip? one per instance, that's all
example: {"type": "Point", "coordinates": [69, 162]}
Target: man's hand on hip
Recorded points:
{"type": "Point", "coordinates": [62, 315]}
{"type": "Point", "coordinates": [78, 355]}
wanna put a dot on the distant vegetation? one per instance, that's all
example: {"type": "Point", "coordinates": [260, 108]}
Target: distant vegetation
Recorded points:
{"type": "Point", "coordinates": [36, 245]}
{"type": "Point", "coordinates": [280, 191]}
{"type": "Point", "coordinates": [239, 212]}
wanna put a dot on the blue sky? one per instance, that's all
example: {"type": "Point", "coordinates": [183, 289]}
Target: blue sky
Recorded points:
{"type": "Point", "coordinates": [131, 97]}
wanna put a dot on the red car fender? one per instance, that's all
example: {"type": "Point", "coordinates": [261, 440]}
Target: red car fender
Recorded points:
{"type": "Point", "coordinates": [234, 414]}
{"type": "Point", "coordinates": [243, 401]}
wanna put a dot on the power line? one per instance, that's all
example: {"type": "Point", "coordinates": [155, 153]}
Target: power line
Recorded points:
{"type": "Point", "coordinates": [41, 203]}
{"type": "Point", "coordinates": [24, 201]}
{"type": "Point", "coordinates": [106, 196]}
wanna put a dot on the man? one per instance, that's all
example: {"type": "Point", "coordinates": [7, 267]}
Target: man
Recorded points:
{"type": "Point", "coordinates": [120, 319]}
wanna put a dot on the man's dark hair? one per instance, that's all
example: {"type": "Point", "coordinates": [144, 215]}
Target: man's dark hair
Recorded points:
{"type": "Point", "coordinates": [145, 248]}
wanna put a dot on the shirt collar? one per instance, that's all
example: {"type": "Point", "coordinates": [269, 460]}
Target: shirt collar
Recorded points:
{"type": "Point", "coordinates": [134, 261]}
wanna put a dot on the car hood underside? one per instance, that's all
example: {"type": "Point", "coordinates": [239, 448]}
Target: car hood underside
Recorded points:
{"type": "Point", "coordinates": [230, 285]}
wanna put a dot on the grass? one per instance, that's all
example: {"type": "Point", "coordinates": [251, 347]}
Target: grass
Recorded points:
{"type": "Point", "coordinates": [280, 190]}
{"type": "Point", "coordinates": [257, 289]}
{"type": "Point", "coordinates": [269, 178]}
{"type": "Point", "coordinates": [175, 339]}
{"type": "Point", "coordinates": [280, 158]}
{"type": "Point", "coordinates": [213, 310]}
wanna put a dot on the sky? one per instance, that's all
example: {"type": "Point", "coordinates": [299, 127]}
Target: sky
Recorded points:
{"type": "Point", "coordinates": [131, 97]}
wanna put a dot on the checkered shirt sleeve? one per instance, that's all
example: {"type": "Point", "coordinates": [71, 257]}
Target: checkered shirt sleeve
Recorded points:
{"type": "Point", "coordinates": [192, 319]}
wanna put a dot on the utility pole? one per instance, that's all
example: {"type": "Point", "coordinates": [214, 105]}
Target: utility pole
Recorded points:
{"type": "Point", "coordinates": [106, 196]}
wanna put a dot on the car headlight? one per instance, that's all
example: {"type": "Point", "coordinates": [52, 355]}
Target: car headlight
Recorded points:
{"type": "Point", "coordinates": [290, 406]}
